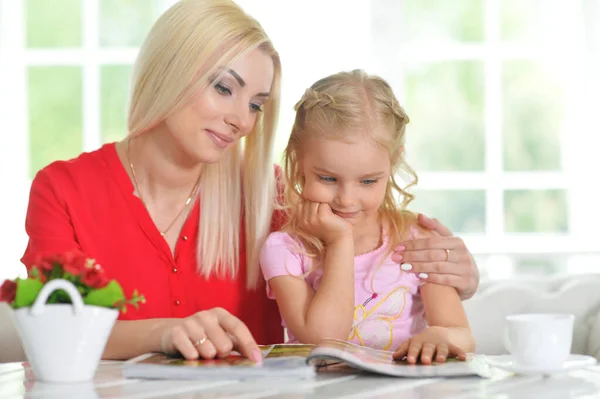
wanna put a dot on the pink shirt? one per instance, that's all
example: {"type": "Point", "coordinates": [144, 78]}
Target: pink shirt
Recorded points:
{"type": "Point", "coordinates": [387, 304]}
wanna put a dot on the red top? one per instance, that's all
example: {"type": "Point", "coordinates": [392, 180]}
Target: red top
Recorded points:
{"type": "Point", "coordinates": [87, 204]}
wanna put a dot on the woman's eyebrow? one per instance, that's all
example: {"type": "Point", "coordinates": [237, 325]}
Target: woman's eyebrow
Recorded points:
{"type": "Point", "coordinates": [243, 83]}
{"type": "Point", "coordinates": [237, 77]}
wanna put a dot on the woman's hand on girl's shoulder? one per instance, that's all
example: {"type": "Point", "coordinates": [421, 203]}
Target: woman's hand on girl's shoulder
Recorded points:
{"type": "Point", "coordinates": [319, 220]}
{"type": "Point", "coordinates": [437, 256]}
{"type": "Point", "coordinates": [431, 344]}
{"type": "Point", "coordinates": [209, 334]}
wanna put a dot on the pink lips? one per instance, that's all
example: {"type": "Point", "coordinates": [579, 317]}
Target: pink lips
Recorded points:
{"type": "Point", "coordinates": [220, 140]}
{"type": "Point", "coordinates": [345, 215]}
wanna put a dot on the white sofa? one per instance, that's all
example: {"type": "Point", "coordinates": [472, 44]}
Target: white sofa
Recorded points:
{"type": "Point", "coordinates": [576, 294]}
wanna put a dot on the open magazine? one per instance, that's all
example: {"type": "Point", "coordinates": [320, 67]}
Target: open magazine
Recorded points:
{"type": "Point", "coordinates": [234, 366]}
{"type": "Point", "coordinates": [332, 353]}
{"type": "Point", "coordinates": [299, 361]}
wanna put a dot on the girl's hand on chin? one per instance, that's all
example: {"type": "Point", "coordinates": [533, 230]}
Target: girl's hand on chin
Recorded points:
{"type": "Point", "coordinates": [318, 219]}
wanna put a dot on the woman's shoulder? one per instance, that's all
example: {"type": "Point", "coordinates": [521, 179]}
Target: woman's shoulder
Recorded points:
{"type": "Point", "coordinates": [81, 169]}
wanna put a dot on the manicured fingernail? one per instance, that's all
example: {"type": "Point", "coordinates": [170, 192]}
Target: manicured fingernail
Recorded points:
{"type": "Point", "coordinates": [423, 275]}
{"type": "Point", "coordinates": [406, 267]}
{"type": "Point", "coordinates": [257, 356]}
{"type": "Point", "coordinates": [400, 248]}
{"type": "Point", "coordinates": [397, 257]}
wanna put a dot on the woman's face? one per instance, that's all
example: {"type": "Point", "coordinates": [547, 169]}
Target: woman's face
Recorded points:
{"type": "Point", "coordinates": [218, 116]}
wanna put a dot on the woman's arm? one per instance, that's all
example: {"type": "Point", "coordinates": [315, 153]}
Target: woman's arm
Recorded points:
{"type": "Point", "coordinates": [130, 338]}
{"type": "Point", "coordinates": [328, 312]}
{"type": "Point", "coordinates": [47, 222]}
{"type": "Point", "coordinates": [206, 334]}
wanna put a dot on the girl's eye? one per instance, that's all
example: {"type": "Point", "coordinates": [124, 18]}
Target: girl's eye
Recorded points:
{"type": "Point", "coordinates": [221, 88]}
{"type": "Point", "coordinates": [327, 179]}
{"type": "Point", "coordinates": [369, 182]}
{"type": "Point", "coordinates": [256, 108]}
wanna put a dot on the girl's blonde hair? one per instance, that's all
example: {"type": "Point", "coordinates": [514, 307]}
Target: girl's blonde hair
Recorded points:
{"type": "Point", "coordinates": [189, 45]}
{"type": "Point", "coordinates": [331, 108]}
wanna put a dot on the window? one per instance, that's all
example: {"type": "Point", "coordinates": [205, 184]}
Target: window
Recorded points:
{"type": "Point", "coordinates": [501, 95]}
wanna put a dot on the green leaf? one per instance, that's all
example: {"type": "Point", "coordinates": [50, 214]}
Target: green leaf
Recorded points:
{"type": "Point", "coordinates": [106, 296]}
{"type": "Point", "coordinates": [57, 272]}
{"type": "Point", "coordinates": [27, 291]}
{"type": "Point", "coordinates": [35, 273]}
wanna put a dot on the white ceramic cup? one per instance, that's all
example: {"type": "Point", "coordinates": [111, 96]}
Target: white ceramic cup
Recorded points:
{"type": "Point", "coordinates": [539, 340]}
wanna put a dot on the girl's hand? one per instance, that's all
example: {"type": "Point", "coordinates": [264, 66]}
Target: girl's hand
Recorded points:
{"type": "Point", "coordinates": [209, 334]}
{"type": "Point", "coordinates": [442, 259]}
{"type": "Point", "coordinates": [318, 219]}
{"type": "Point", "coordinates": [433, 341]}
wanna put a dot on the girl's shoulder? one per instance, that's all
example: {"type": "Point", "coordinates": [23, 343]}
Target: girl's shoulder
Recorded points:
{"type": "Point", "coordinates": [407, 227]}
{"type": "Point", "coordinates": [280, 239]}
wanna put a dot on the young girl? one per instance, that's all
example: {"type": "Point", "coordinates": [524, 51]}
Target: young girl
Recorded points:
{"type": "Point", "coordinates": [330, 271]}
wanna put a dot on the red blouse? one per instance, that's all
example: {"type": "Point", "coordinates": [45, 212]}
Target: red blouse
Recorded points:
{"type": "Point", "coordinates": [87, 204]}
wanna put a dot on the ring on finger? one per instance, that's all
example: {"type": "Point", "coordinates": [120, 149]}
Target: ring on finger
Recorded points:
{"type": "Point", "coordinates": [447, 254]}
{"type": "Point", "coordinates": [200, 341]}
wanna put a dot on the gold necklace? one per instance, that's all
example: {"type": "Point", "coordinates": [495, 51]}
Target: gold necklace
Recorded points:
{"type": "Point", "coordinates": [135, 182]}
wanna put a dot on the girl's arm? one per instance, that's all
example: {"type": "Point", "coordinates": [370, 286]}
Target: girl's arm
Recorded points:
{"type": "Point", "coordinates": [327, 313]}
{"type": "Point", "coordinates": [443, 308]}
{"type": "Point", "coordinates": [448, 333]}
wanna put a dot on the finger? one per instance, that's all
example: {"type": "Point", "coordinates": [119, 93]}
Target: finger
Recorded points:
{"type": "Point", "coordinates": [217, 336]}
{"type": "Point", "coordinates": [429, 243]}
{"type": "Point", "coordinates": [401, 351]}
{"type": "Point", "coordinates": [435, 255]}
{"type": "Point", "coordinates": [242, 336]}
{"type": "Point", "coordinates": [433, 224]}
{"type": "Point", "coordinates": [199, 338]}
{"type": "Point", "coordinates": [431, 268]}
{"type": "Point", "coordinates": [182, 343]}
{"type": "Point", "coordinates": [441, 353]}
{"type": "Point", "coordinates": [324, 210]}
{"type": "Point", "coordinates": [455, 351]}
{"type": "Point", "coordinates": [427, 353]}
{"type": "Point", "coordinates": [451, 280]}
{"type": "Point", "coordinates": [314, 212]}
{"type": "Point", "coordinates": [413, 352]}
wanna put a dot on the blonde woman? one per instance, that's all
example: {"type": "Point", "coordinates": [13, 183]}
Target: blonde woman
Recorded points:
{"type": "Point", "coordinates": [180, 208]}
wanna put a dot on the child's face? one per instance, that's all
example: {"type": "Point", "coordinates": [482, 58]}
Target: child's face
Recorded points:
{"type": "Point", "coordinates": [350, 177]}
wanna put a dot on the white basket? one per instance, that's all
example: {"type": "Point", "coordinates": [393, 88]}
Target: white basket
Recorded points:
{"type": "Point", "coordinates": [64, 342]}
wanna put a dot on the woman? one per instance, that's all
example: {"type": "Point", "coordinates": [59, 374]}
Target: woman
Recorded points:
{"type": "Point", "coordinates": [180, 208]}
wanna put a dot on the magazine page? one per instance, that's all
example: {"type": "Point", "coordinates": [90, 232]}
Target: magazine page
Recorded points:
{"type": "Point", "coordinates": [161, 366]}
{"type": "Point", "coordinates": [283, 350]}
{"type": "Point", "coordinates": [332, 352]}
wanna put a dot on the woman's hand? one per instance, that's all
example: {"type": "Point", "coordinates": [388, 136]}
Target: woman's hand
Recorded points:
{"type": "Point", "coordinates": [442, 259]}
{"type": "Point", "coordinates": [318, 219]}
{"type": "Point", "coordinates": [431, 343]}
{"type": "Point", "coordinates": [209, 334]}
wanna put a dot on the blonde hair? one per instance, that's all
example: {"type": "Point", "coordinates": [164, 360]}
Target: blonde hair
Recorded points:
{"type": "Point", "coordinates": [190, 44]}
{"type": "Point", "coordinates": [332, 107]}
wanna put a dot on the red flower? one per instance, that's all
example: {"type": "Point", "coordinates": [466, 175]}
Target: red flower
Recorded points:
{"type": "Point", "coordinates": [73, 263]}
{"type": "Point", "coordinates": [94, 277]}
{"type": "Point", "coordinates": [8, 291]}
{"type": "Point", "coordinates": [45, 263]}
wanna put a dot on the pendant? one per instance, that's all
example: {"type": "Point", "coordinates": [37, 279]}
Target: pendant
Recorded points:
{"type": "Point", "coordinates": [370, 299]}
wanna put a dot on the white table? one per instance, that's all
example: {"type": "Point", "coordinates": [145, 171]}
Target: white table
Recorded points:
{"type": "Point", "coordinates": [16, 381]}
